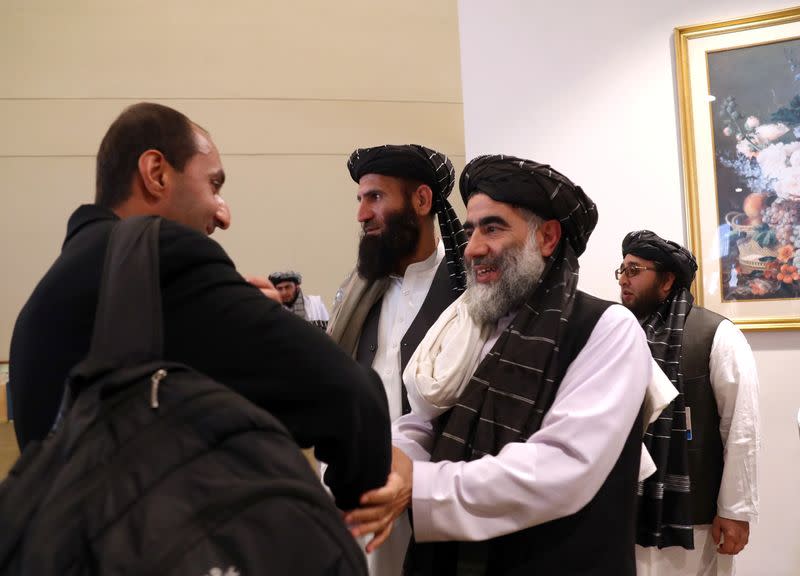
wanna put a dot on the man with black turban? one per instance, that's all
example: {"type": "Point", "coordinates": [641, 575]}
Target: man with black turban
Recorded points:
{"type": "Point", "coordinates": [521, 454]}
{"type": "Point", "coordinates": [405, 277]}
{"type": "Point", "coordinates": [308, 306]}
{"type": "Point", "coordinates": [705, 443]}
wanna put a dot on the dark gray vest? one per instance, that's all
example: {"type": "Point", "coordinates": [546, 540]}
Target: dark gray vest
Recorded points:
{"type": "Point", "coordinates": [439, 297]}
{"type": "Point", "coordinates": [705, 447]}
{"type": "Point", "coordinates": [597, 540]}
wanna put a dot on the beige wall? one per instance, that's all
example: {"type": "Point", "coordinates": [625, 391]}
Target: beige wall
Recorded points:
{"type": "Point", "coordinates": [287, 90]}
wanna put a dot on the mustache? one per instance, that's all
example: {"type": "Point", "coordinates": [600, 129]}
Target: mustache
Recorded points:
{"type": "Point", "coordinates": [497, 262]}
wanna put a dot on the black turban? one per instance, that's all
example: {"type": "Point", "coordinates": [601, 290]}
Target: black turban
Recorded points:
{"type": "Point", "coordinates": [537, 187]}
{"type": "Point", "coordinates": [288, 276]}
{"type": "Point", "coordinates": [433, 168]}
{"type": "Point", "coordinates": [407, 161]}
{"type": "Point", "coordinates": [674, 257]}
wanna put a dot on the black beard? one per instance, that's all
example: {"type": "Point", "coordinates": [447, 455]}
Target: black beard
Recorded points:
{"type": "Point", "coordinates": [646, 304]}
{"type": "Point", "coordinates": [378, 255]}
{"type": "Point", "coordinates": [290, 304]}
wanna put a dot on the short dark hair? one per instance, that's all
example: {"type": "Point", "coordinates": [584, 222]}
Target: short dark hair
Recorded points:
{"type": "Point", "coordinates": [140, 127]}
{"type": "Point", "coordinates": [661, 275]}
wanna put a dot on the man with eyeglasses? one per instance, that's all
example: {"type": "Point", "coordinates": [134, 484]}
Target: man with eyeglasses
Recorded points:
{"type": "Point", "coordinates": [695, 511]}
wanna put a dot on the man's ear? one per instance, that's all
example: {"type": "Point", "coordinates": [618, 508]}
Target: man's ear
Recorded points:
{"type": "Point", "coordinates": [422, 200]}
{"type": "Point", "coordinates": [548, 234]}
{"type": "Point", "coordinates": [667, 283]}
{"type": "Point", "coordinates": [152, 171]}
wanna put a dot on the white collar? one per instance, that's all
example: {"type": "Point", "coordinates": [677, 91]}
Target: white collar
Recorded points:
{"type": "Point", "coordinates": [417, 268]}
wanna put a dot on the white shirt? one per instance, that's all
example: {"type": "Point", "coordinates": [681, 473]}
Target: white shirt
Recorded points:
{"type": "Point", "coordinates": [315, 308]}
{"type": "Point", "coordinates": [734, 381]}
{"type": "Point", "coordinates": [400, 305]}
{"type": "Point", "coordinates": [561, 466]}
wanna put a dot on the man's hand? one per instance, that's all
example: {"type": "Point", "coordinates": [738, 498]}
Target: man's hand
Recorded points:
{"type": "Point", "coordinates": [735, 534]}
{"type": "Point", "coordinates": [382, 506]}
{"type": "Point", "coordinates": [265, 286]}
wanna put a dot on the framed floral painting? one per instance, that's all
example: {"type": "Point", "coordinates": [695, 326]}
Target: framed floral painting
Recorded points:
{"type": "Point", "coordinates": [739, 99]}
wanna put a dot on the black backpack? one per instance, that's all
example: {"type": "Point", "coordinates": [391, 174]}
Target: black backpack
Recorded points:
{"type": "Point", "coordinates": [155, 469]}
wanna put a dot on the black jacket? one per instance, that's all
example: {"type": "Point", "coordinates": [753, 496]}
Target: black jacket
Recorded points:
{"type": "Point", "coordinates": [217, 323]}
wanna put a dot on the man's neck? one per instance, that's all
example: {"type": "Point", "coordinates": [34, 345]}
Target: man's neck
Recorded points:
{"type": "Point", "coordinates": [425, 247]}
{"type": "Point", "coordinates": [135, 206]}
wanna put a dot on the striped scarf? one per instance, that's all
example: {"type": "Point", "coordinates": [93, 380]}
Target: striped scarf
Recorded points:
{"type": "Point", "coordinates": [505, 400]}
{"type": "Point", "coordinates": [664, 498]}
{"type": "Point", "coordinates": [516, 383]}
{"type": "Point", "coordinates": [299, 306]}
{"type": "Point", "coordinates": [455, 240]}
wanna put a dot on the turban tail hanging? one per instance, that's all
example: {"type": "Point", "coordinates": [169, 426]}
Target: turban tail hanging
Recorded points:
{"type": "Point", "coordinates": [666, 439]}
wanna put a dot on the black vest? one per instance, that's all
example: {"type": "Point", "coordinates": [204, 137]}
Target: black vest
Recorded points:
{"type": "Point", "coordinates": [705, 447]}
{"type": "Point", "coordinates": [597, 540]}
{"type": "Point", "coordinates": [440, 296]}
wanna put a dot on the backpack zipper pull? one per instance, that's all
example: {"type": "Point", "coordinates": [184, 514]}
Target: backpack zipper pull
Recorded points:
{"type": "Point", "coordinates": [155, 380]}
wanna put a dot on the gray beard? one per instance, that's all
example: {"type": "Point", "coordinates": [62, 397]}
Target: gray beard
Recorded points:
{"type": "Point", "coordinates": [520, 269]}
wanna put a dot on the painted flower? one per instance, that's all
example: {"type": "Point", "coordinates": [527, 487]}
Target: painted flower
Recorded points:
{"type": "Point", "coordinates": [760, 287]}
{"type": "Point", "coordinates": [772, 270]}
{"type": "Point", "coordinates": [727, 131]}
{"type": "Point", "coordinates": [746, 149]}
{"type": "Point", "coordinates": [770, 132]}
{"type": "Point", "coordinates": [751, 122]}
{"type": "Point", "coordinates": [780, 165]}
{"type": "Point", "coordinates": [785, 252]}
{"type": "Point", "coordinates": [788, 274]}
{"type": "Point", "coordinates": [787, 186]}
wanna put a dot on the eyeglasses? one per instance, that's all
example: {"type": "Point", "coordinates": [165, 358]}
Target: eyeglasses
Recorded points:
{"type": "Point", "coordinates": [630, 270]}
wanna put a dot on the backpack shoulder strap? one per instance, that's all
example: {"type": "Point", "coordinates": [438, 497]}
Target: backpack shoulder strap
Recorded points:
{"type": "Point", "coordinates": [128, 325]}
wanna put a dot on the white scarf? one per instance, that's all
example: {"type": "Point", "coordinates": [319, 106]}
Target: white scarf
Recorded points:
{"type": "Point", "coordinates": [444, 361]}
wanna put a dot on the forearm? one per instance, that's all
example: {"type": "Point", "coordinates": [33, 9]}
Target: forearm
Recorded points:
{"type": "Point", "coordinates": [220, 325]}
{"type": "Point", "coordinates": [414, 436]}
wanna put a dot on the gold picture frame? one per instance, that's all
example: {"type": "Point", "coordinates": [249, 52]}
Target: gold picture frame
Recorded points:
{"type": "Point", "coordinates": [740, 123]}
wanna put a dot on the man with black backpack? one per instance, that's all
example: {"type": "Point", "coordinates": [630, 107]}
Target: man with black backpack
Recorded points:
{"type": "Point", "coordinates": [155, 161]}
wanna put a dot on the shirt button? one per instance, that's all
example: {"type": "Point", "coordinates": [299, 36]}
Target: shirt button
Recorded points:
{"type": "Point", "coordinates": [406, 292]}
